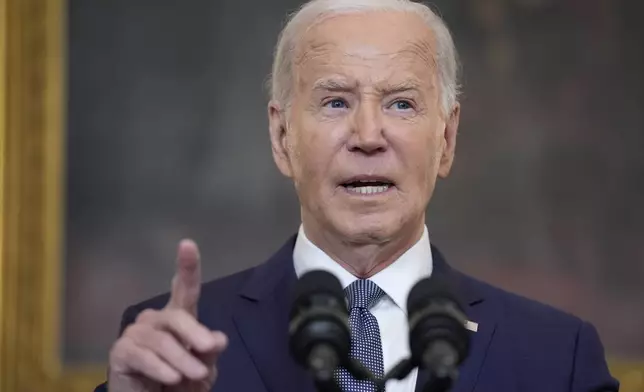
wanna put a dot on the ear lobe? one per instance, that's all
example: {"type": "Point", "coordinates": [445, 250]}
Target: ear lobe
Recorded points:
{"type": "Point", "coordinates": [279, 143]}
{"type": "Point", "coordinates": [449, 142]}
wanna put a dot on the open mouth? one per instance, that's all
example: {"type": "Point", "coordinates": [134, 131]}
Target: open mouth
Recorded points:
{"type": "Point", "coordinates": [368, 186]}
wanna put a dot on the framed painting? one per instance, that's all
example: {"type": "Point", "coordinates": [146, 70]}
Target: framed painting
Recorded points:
{"type": "Point", "coordinates": [32, 112]}
{"type": "Point", "coordinates": [59, 308]}
{"type": "Point", "coordinates": [59, 313]}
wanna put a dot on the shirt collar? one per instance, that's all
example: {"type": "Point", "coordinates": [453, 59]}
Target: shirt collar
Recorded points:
{"type": "Point", "coordinates": [396, 280]}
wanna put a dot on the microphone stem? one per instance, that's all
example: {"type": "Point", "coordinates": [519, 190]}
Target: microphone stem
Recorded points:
{"type": "Point", "coordinates": [323, 361]}
{"type": "Point", "coordinates": [327, 386]}
{"type": "Point", "coordinates": [436, 384]}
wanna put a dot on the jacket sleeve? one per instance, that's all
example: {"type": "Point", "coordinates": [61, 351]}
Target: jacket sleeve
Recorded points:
{"type": "Point", "coordinates": [590, 372]}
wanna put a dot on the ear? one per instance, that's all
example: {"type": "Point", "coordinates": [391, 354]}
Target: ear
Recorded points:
{"type": "Point", "coordinates": [277, 129]}
{"type": "Point", "coordinates": [449, 142]}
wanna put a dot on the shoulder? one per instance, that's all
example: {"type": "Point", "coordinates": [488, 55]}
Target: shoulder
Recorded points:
{"type": "Point", "coordinates": [513, 309]}
{"type": "Point", "coordinates": [540, 338]}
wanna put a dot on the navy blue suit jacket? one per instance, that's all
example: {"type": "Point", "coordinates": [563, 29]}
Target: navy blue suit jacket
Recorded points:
{"type": "Point", "coordinates": [520, 345]}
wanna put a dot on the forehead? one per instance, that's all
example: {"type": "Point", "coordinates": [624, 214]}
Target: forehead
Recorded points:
{"type": "Point", "coordinates": [375, 45]}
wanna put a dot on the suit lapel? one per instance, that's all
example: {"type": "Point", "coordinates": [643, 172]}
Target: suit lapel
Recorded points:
{"type": "Point", "coordinates": [477, 310]}
{"type": "Point", "coordinates": [479, 344]}
{"type": "Point", "coordinates": [262, 321]}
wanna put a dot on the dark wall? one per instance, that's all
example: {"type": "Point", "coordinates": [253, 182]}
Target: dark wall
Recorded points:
{"type": "Point", "coordinates": [168, 138]}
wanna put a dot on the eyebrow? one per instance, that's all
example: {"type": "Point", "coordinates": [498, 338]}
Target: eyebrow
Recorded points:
{"type": "Point", "coordinates": [405, 86]}
{"type": "Point", "coordinates": [336, 85]}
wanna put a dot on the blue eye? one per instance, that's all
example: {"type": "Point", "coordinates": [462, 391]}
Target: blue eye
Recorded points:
{"type": "Point", "coordinates": [402, 105]}
{"type": "Point", "coordinates": [336, 104]}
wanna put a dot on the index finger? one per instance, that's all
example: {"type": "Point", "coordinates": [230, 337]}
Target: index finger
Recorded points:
{"type": "Point", "coordinates": [186, 283]}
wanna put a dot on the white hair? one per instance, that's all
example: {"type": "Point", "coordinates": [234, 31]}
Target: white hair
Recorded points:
{"type": "Point", "coordinates": [281, 80]}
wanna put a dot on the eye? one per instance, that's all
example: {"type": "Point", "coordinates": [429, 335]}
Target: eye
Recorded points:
{"type": "Point", "coordinates": [402, 105]}
{"type": "Point", "coordinates": [336, 104]}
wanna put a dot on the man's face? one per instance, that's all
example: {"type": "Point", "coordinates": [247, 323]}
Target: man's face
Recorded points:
{"type": "Point", "coordinates": [364, 138]}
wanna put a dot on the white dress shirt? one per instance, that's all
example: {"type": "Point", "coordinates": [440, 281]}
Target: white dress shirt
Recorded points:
{"type": "Point", "coordinates": [391, 310]}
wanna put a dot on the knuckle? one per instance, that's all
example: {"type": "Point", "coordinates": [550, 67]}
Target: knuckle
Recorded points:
{"type": "Point", "coordinates": [180, 320]}
{"type": "Point", "coordinates": [130, 330]}
{"type": "Point", "coordinates": [146, 315]}
{"type": "Point", "coordinates": [141, 335]}
{"type": "Point", "coordinates": [177, 314]}
{"type": "Point", "coordinates": [120, 351]}
{"type": "Point", "coordinates": [135, 331]}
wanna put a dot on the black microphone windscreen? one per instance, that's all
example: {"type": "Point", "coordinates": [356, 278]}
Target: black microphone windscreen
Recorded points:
{"type": "Point", "coordinates": [438, 338]}
{"type": "Point", "coordinates": [319, 335]}
{"type": "Point", "coordinates": [317, 282]}
{"type": "Point", "coordinates": [429, 289]}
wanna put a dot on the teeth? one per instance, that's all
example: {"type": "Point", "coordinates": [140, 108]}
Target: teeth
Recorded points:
{"type": "Point", "coordinates": [368, 189]}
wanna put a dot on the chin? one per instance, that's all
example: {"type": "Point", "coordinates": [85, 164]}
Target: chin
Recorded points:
{"type": "Point", "coordinates": [370, 229]}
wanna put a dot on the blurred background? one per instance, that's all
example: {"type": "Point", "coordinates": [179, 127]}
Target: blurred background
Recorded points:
{"type": "Point", "coordinates": [168, 138]}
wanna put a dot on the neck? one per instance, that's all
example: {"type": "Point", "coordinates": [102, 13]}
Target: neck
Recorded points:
{"type": "Point", "coordinates": [364, 258]}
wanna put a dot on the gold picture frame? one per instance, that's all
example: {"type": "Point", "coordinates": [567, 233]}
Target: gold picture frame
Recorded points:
{"type": "Point", "coordinates": [32, 123]}
{"type": "Point", "coordinates": [32, 107]}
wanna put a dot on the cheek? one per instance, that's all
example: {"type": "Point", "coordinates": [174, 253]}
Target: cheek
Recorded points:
{"type": "Point", "coordinates": [421, 157]}
{"type": "Point", "coordinates": [322, 139]}
{"type": "Point", "coordinates": [313, 151]}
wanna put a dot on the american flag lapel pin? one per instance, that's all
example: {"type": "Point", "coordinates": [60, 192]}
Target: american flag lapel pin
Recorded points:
{"type": "Point", "coordinates": [472, 326]}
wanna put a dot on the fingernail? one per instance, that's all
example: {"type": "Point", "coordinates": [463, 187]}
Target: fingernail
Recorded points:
{"type": "Point", "coordinates": [196, 372]}
{"type": "Point", "coordinates": [206, 342]}
{"type": "Point", "coordinates": [172, 378]}
{"type": "Point", "coordinates": [186, 241]}
{"type": "Point", "coordinates": [201, 372]}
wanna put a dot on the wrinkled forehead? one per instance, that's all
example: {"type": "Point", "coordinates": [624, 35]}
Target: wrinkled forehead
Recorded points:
{"type": "Point", "coordinates": [373, 45]}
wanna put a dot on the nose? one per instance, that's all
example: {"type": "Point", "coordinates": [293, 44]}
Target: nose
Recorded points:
{"type": "Point", "coordinates": [367, 135]}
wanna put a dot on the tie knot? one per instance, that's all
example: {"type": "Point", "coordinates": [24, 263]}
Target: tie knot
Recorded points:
{"type": "Point", "coordinates": [363, 294]}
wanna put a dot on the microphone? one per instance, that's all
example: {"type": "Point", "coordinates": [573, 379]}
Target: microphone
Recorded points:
{"type": "Point", "coordinates": [319, 334]}
{"type": "Point", "coordinates": [438, 339]}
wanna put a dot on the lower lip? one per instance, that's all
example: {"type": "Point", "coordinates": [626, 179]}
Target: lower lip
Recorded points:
{"type": "Point", "coordinates": [387, 191]}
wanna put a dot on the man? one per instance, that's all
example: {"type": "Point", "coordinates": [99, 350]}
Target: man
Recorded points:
{"type": "Point", "coordinates": [363, 119]}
